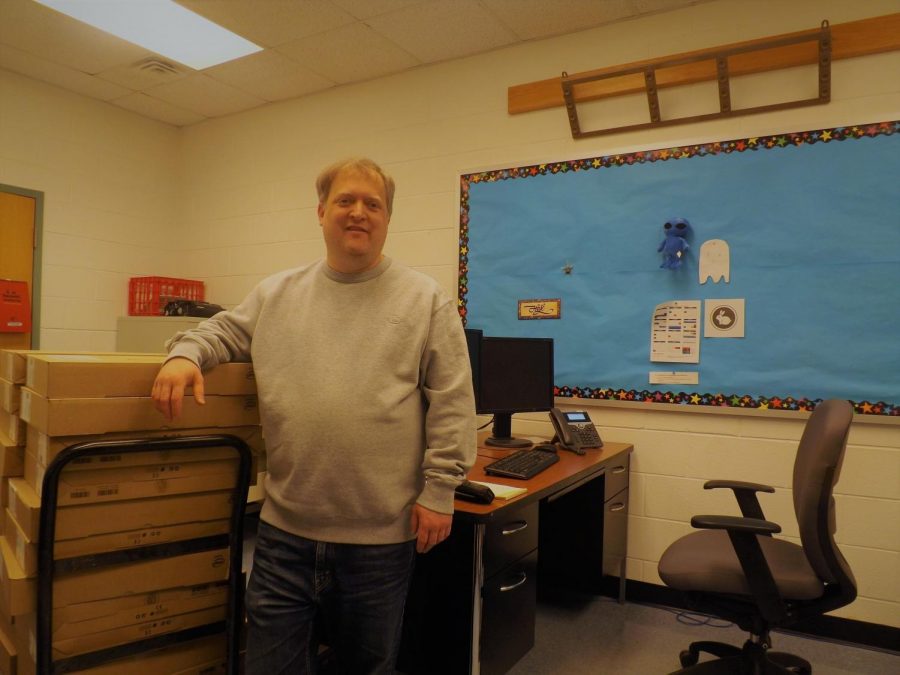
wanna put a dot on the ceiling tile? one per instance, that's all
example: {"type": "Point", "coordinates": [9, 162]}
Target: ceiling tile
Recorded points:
{"type": "Point", "coordinates": [531, 19]}
{"type": "Point", "coordinates": [438, 31]}
{"type": "Point", "coordinates": [649, 6]}
{"type": "Point", "coordinates": [349, 54]}
{"type": "Point", "coordinates": [319, 43]}
{"type": "Point", "coordinates": [269, 75]}
{"type": "Point", "coordinates": [271, 22]}
{"type": "Point", "coordinates": [52, 73]}
{"type": "Point", "coordinates": [157, 109]}
{"type": "Point", "coordinates": [41, 31]}
{"type": "Point", "coordinates": [205, 96]}
{"type": "Point", "coordinates": [364, 9]}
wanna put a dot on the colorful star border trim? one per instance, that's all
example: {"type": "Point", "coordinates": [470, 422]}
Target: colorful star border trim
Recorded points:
{"type": "Point", "coordinates": [718, 400]}
{"type": "Point", "coordinates": [753, 144]}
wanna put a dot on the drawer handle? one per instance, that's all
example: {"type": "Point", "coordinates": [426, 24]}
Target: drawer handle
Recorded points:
{"type": "Point", "coordinates": [618, 506]}
{"type": "Point", "coordinates": [618, 469]}
{"type": "Point", "coordinates": [514, 586]}
{"type": "Point", "coordinates": [516, 527]}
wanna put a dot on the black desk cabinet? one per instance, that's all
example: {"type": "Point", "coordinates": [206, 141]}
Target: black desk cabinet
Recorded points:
{"type": "Point", "coordinates": [471, 607]}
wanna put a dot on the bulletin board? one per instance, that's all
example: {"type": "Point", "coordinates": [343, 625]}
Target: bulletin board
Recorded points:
{"type": "Point", "coordinates": [812, 225]}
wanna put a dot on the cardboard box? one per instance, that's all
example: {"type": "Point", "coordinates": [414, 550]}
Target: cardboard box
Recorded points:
{"type": "Point", "coordinates": [137, 578]}
{"type": "Point", "coordinates": [99, 376]}
{"type": "Point", "coordinates": [63, 648]}
{"type": "Point", "coordinates": [18, 592]}
{"type": "Point", "coordinates": [125, 634]}
{"type": "Point", "coordinates": [93, 617]}
{"type": "Point", "coordinates": [8, 650]}
{"type": "Point", "coordinates": [12, 457]}
{"type": "Point", "coordinates": [76, 522]}
{"type": "Point", "coordinates": [9, 396]}
{"type": "Point", "coordinates": [175, 659]}
{"type": "Point", "coordinates": [136, 482]}
{"type": "Point", "coordinates": [13, 362]}
{"type": "Point", "coordinates": [13, 427]}
{"type": "Point", "coordinates": [45, 448]}
{"type": "Point", "coordinates": [25, 551]}
{"type": "Point", "coordinates": [117, 541]}
{"type": "Point", "coordinates": [78, 416]}
{"type": "Point", "coordinates": [25, 505]}
{"type": "Point", "coordinates": [197, 657]}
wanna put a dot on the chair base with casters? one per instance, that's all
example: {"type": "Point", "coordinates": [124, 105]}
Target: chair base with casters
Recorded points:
{"type": "Point", "coordinates": [733, 567]}
{"type": "Point", "coordinates": [754, 657]}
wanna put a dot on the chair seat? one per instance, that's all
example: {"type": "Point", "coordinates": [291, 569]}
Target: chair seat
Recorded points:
{"type": "Point", "coordinates": [705, 561]}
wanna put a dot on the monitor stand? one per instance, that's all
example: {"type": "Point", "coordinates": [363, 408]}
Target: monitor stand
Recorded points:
{"type": "Point", "coordinates": [501, 434]}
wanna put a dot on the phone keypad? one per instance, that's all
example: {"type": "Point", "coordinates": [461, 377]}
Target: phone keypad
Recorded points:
{"type": "Point", "coordinates": [587, 435]}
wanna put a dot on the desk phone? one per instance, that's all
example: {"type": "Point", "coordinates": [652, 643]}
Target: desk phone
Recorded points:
{"type": "Point", "coordinates": [574, 430]}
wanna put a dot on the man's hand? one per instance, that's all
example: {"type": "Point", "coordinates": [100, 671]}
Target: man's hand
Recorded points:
{"type": "Point", "coordinates": [431, 527]}
{"type": "Point", "coordinates": [171, 381]}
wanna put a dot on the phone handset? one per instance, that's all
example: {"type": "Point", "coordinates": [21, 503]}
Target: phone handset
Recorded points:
{"type": "Point", "coordinates": [574, 430]}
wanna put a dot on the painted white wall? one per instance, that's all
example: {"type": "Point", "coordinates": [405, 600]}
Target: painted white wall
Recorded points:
{"type": "Point", "coordinates": [110, 181]}
{"type": "Point", "coordinates": [232, 200]}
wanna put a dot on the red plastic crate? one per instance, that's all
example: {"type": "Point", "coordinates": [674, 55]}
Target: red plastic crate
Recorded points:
{"type": "Point", "coordinates": [147, 296]}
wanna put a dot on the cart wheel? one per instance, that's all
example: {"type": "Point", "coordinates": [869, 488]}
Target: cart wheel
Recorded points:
{"type": "Point", "coordinates": [688, 658]}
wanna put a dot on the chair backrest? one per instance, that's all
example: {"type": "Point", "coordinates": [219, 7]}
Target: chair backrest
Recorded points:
{"type": "Point", "coordinates": [816, 471]}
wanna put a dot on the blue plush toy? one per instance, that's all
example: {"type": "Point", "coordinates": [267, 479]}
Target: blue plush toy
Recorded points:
{"type": "Point", "coordinates": [675, 245]}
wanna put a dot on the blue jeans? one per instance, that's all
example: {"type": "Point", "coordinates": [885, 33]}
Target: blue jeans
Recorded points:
{"type": "Point", "coordinates": [352, 595]}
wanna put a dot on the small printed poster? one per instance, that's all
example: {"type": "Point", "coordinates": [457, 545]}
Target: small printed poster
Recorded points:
{"type": "Point", "coordinates": [540, 309]}
{"type": "Point", "coordinates": [675, 332]}
{"type": "Point", "coordinates": [724, 319]}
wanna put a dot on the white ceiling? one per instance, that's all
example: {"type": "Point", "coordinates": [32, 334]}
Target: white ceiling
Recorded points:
{"type": "Point", "coordinates": [309, 46]}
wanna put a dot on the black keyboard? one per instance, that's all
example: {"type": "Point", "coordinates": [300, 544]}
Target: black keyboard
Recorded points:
{"type": "Point", "coordinates": [522, 464]}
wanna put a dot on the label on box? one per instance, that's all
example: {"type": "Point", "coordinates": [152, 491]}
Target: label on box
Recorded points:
{"type": "Point", "coordinates": [25, 405]}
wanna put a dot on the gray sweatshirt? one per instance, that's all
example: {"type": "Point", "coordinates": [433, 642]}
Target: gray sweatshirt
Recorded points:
{"type": "Point", "coordinates": [365, 396]}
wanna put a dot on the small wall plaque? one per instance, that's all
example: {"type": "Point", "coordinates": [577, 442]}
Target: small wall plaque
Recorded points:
{"type": "Point", "coordinates": [550, 308]}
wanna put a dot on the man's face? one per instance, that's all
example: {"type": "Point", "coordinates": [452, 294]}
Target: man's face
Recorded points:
{"type": "Point", "coordinates": [354, 221]}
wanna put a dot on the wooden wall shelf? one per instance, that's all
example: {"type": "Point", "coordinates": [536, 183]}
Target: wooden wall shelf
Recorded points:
{"type": "Point", "coordinates": [848, 40]}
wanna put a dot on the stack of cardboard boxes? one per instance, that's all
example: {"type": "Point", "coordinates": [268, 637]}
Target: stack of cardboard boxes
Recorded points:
{"type": "Point", "coordinates": [117, 503]}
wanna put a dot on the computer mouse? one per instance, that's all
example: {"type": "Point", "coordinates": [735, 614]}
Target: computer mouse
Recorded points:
{"type": "Point", "coordinates": [546, 447]}
{"type": "Point", "coordinates": [473, 492]}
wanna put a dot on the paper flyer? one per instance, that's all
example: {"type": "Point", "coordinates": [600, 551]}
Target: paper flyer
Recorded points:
{"type": "Point", "coordinates": [675, 332]}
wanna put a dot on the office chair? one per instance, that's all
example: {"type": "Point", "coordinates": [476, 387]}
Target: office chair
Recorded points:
{"type": "Point", "coordinates": [733, 568]}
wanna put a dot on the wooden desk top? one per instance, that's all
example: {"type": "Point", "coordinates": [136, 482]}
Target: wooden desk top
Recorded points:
{"type": "Point", "coordinates": [570, 469]}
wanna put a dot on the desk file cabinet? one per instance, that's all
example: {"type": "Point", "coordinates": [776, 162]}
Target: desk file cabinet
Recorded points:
{"type": "Point", "coordinates": [508, 591]}
{"type": "Point", "coordinates": [472, 603]}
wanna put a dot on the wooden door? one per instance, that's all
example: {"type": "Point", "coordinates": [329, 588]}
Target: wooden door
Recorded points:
{"type": "Point", "coordinates": [17, 244]}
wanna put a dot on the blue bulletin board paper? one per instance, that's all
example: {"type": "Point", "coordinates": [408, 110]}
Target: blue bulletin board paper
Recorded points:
{"type": "Point", "coordinates": [812, 221]}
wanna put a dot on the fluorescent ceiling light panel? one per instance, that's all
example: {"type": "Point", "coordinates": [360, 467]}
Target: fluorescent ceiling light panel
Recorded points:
{"type": "Point", "coordinates": [161, 26]}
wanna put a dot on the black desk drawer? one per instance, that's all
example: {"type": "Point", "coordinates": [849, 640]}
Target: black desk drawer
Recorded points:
{"type": "Point", "coordinates": [509, 537]}
{"type": "Point", "coordinates": [509, 599]}
{"type": "Point", "coordinates": [616, 476]}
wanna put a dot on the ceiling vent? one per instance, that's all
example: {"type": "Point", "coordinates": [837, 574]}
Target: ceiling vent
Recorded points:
{"type": "Point", "coordinates": [157, 68]}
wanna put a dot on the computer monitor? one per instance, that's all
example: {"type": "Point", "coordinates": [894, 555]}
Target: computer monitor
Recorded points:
{"type": "Point", "coordinates": [473, 342]}
{"type": "Point", "coordinates": [515, 375]}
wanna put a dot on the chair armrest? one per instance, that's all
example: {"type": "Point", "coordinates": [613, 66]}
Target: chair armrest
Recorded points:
{"type": "Point", "coordinates": [745, 534]}
{"type": "Point", "coordinates": [736, 524]}
{"type": "Point", "coordinates": [745, 493]}
{"type": "Point", "coordinates": [737, 485]}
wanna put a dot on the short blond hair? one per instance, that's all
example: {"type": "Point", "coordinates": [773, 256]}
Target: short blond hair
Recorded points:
{"type": "Point", "coordinates": [363, 164]}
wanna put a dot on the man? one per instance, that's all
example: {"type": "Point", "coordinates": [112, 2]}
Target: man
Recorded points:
{"type": "Point", "coordinates": [367, 409]}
